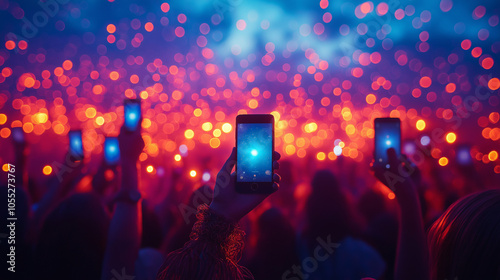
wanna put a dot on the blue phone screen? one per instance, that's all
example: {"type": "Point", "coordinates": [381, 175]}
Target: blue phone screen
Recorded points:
{"type": "Point", "coordinates": [75, 143]}
{"type": "Point", "coordinates": [387, 135]}
{"type": "Point", "coordinates": [255, 152]}
{"type": "Point", "coordinates": [111, 150]}
{"type": "Point", "coordinates": [132, 115]}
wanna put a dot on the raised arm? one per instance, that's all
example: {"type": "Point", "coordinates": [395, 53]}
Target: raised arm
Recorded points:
{"type": "Point", "coordinates": [67, 175]}
{"type": "Point", "coordinates": [124, 235]}
{"type": "Point", "coordinates": [216, 240]}
{"type": "Point", "coordinates": [412, 253]}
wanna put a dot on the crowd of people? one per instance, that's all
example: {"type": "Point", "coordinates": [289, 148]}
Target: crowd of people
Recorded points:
{"type": "Point", "coordinates": [331, 222]}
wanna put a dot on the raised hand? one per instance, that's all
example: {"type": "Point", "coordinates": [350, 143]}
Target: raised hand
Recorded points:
{"type": "Point", "coordinates": [131, 144]}
{"type": "Point", "coordinates": [401, 176]}
{"type": "Point", "coordinates": [230, 204]}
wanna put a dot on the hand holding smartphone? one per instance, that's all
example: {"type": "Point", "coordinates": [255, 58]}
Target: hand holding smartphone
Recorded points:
{"type": "Point", "coordinates": [132, 114]}
{"type": "Point", "coordinates": [111, 151]}
{"type": "Point", "coordinates": [254, 153]}
{"type": "Point", "coordinates": [76, 144]}
{"type": "Point", "coordinates": [387, 135]}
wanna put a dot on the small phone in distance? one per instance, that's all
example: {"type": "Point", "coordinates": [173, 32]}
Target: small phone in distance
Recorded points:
{"type": "Point", "coordinates": [463, 156]}
{"type": "Point", "coordinates": [387, 135]}
{"type": "Point", "coordinates": [132, 114]}
{"type": "Point", "coordinates": [75, 144]}
{"type": "Point", "coordinates": [111, 151]}
{"type": "Point", "coordinates": [254, 153]}
{"type": "Point", "coordinates": [18, 134]}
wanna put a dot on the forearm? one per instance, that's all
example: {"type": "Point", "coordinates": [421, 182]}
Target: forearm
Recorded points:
{"type": "Point", "coordinates": [412, 254]}
{"type": "Point", "coordinates": [124, 236]}
{"type": "Point", "coordinates": [48, 202]}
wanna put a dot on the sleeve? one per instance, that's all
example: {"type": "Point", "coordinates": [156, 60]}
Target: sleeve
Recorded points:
{"type": "Point", "coordinates": [213, 251]}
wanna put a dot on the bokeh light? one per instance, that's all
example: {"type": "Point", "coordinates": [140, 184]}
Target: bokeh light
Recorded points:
{"type": "Point", "coordinates": [443, 161]}
{"type": "Point", "coordinates": [420, 125]}
{"type": "Point", "coordinates": [47, 170]}
{"type": "Point", "coordinates": [451, 137]}
{"type": "Point", "coordinates": [324, 76]}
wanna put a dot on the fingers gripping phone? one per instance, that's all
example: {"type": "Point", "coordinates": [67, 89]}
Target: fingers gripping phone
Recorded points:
{"type": "Point", "coordinates": [76, 144]}
{"type": "Point", "coordinates": [387, 135]}
{"type": "Point", "coordinates": [254, 153]}
{"type": "Point", "coordinates": [111, 150]}
{"type": "Point", "coordinates": [132, 114]}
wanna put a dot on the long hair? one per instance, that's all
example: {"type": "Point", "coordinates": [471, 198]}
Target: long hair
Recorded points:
{"type": "Point", "coordinates": [465, 241]}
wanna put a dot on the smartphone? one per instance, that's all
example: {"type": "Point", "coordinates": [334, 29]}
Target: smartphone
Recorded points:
{"type": "Point", "coordinates": [18, 134]}
{"type": "Point", "coordinates": [254, 153]}
{"type": "Point", "coordinates": [111, 151]}
{"type": "Point", "coordinates": [75, 144]}
{"type": "Point", "coordinates": [387, 135]}
{"type": "Point", "coordinates": [463, 155]}
{"type": "Point", "coordinates": [132, 114]}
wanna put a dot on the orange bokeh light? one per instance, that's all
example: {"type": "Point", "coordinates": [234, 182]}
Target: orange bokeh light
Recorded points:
{"type": "Point", "coordinates": [10, 45]}
{"type": "Point", "coordinates": [47, 170]}
{"type": "Point", "coordinates": [494, 84]}
{"type": "Point", "coordinates": [425, 82]}
{"type": "Point", "coordinates": [371, 98]}
{"type": "Point", "coordinates": [451, 137]}
{"type": "Point", "coordinates": [493, 155]}
{"type": "Point", "coordinates": [487, 63]}
{"type": "Point", "coordinates": [67, 65]}
{"type": "Point", "coordinates": [420, 125]}
{"type": "Point", "coordinates": [111, 28]}
{"type": "Point", "coordinates": [214, 143]}
{"type": "Point", "coordinates": [114, 75]}
{"type": "Point", "coordinates": [443, 161]}
{"type": "Point", "coordinates": [5, 132]}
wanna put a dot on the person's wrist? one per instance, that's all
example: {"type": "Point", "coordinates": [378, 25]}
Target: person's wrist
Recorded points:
{"type": "Point", "coordinates": [130, 196]}
{"type": "Point", "coordinates": [129, 173]}
{"type": "Point", "coordinates": [405, 192]}
{"type": "Point", "coordinates": [221, 211]}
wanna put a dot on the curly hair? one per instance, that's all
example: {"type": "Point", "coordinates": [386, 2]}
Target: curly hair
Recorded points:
{"type": "Point", "coordinates": [213, 251]}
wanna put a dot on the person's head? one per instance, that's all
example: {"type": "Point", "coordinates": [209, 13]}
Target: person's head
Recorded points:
{"type": "Point", "coordinates": [73, 239]}
{"type": "Point", "coordinates": [275, 249]}
{"type": "Point", "coordinates": [272, 227]}
{"type": "Point", "coordinates": [327, 209]}
{"type": "Point", "coordinates": [465, 241]}
{"type": "Point", "coordinates": [371, 204]}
